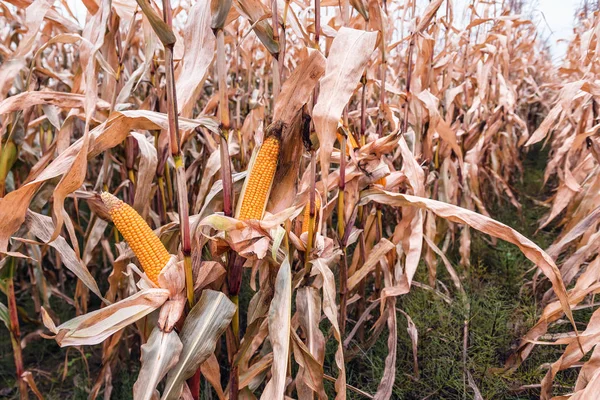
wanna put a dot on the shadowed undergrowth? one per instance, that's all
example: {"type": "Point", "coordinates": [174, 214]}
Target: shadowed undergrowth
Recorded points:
{"type": "Point", "coordinates": [502, 309]}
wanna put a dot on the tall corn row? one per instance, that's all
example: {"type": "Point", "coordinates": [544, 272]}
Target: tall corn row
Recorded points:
{"type": "Point", "coordinates": [292, 223]}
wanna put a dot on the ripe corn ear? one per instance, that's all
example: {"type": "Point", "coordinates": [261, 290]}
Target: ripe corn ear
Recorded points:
{"type": "Point", "coordinates": [259, 182]}
{"type": "Point", "coordinates": [306, 219]}
{"type": "Point", "coordinates": [146, 246]}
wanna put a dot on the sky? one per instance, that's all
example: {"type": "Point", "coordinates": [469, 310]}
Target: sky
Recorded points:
{"type": "Point", "coordinates": [555, 19]}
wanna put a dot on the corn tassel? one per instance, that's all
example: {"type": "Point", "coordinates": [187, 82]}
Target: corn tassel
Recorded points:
{"type": "Point", "coordinates": [146, 246]}
{"type": "Point", "coordinates": [260, 180]}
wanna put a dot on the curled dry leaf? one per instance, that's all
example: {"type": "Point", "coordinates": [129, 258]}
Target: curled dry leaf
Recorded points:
{"type": "Point", "coordinates": [348, 56]}
{"type": "Point", "coordinates": [376, 254]}
{"type": "Point", "coordinates": [13, 206]}
{"type": "Point", "coordinates": [96, 326]}
{"type": "Point", "coordinates": [210, 370]}
{"type": "Point", "coordinates": [295, 93]}
{"type": "Point", "coordinates": [34, 16]}
{"type": "Point", "coordinates": [310, 375]}
{"type": "Point", "coordinates": [199, 43]}
{"type": "Point", "coordinates": [587, 340]}
{"type": "Point", "coordinates": [145, 173]}
{"type": "Point", "coordinates": [321, 267]}
{"type": "Point", "coordinates": [279, 331]}
{"type": "Point", "coordinates": [434, 110]}
{"type": "Point", "coordinates": [486, 225]}
{"type": "Point", "coordinates": [26, 100]}
{"type": "Point", "coordinates": [243, 237]}
{"type": "Point", "coordinates": [42, 227]}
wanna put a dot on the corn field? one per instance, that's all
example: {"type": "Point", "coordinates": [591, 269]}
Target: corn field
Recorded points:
{"type": "Point", "coordinates": [236, 199]}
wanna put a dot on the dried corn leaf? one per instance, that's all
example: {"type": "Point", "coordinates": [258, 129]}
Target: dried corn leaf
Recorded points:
{"type": "Point", "coordinates": [159, 354]}
{"type": "Point", "coordinates": [97, 326]}
{"type": "Point", "coordinates": [279, 332]}
{"type": "Point", "coordinates": [203, 326]}
{"type": "Point", "coordinates": [348, 56]}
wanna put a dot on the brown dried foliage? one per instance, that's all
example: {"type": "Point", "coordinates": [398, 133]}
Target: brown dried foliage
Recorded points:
{"type": "Point", "coordinates": [403, 123]}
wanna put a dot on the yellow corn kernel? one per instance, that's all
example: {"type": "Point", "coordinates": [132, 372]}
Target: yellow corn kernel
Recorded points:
{"type": "Point", "coordinates": [146, 246]}
{"type": "Point", "coordinates": [260, 180]}
{"type": "Point", "coordinates": [351, 143]}
{"type": "Point", "coordinates": [306, 219]}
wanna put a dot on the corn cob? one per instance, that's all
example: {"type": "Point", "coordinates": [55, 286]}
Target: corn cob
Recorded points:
{"type": "Point", "coordinates": [146, 246]}
{"type": "Point", "coordinates": [351, 145]}
{"type": "Point", "coordinates": [306, 219]}
{"type": "Point", "coordinates": [260, 180]}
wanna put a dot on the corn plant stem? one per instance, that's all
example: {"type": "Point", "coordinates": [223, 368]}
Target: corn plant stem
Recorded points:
{"type": "Point", "coordinates": [129, 163]}
{"type": "Point", "coordinates": [175, 145]}
{"type": "Point", "coordinates": [169, 186]}
{"type": "Point", "coordinates": [185, 229]}
{"type": "Point", "coordinates": [275, 20]}
{"type": "Point", "coordinates": [234, 280]}
{"type": "Point", "coordinates": [317, 21]}
{"type": "Point", "coordinates": [121, 55]}
{"type": "Point", "coordinates": [281, 40]}
{"type": "Point", "coordinates": [317, 37]}
{"type": "Point", "coordinates": [341, 232]}
{"type": "Point", "coordinates": [276, 80]}
{"type": "Point", "coordinates": [232, 350]}
{"type": "Point", "coordinates": [225, 125]}
{"type": "Point", "coordinates": [234, 267]}
{"type": "Point", "coordinates": [285, 13]}
{"type": "Point", "coordinates": [408, 79]}
{"type": "Point", "coordinates": [160, 179]}
{"type": "Point", "coordinates": [342, 187]}
{"type": "Point", "coordinates": [382, 90]}
{"type": "Point", "coordinates": [7, 150]}
{"type": "Point", "coordinates": [360, 308]}
{"type": "Point", "coordinates": [113, 100]}
{"type": "Point", "coordinates": [312, 212]}
{"type": "Point", "coordinates": [378, 235]}
{"type": "Point", "coordinates": [343, 290]}
{"type": "Point", "coordinates": [222, 80]}
{"type": "Point", "coordinates": [363, 109]}
{"type": "Point", "coordinates": [172, 105]}
{"type": "Point", "coordinates": [162, 199]}
{"type": "Point", "coordinates": [194, 382]}
{"type": "Point", "coordinates": [15, 332]}
{"type": "Point", "coordinates": [234, 383]}
{"type": "Point", "coordinates": [276, 73]}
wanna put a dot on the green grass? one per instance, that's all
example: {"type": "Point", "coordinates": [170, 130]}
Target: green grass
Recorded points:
{"type": "Point", "coordinates": [500, 311]}
{"type": "Point", "coordinates": [46, 360]}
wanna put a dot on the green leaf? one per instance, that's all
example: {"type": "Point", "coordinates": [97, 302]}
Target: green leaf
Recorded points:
{"type": "Point", "coordinates": [4, 315]}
